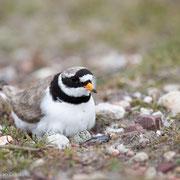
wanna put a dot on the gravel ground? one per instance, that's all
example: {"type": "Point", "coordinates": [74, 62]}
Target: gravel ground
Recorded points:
{"type": "Point", "coordinates": [133, 49]}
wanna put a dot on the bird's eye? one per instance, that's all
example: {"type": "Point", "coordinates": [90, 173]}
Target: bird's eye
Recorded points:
{"type": "Point", "coordinates": [74, 79]}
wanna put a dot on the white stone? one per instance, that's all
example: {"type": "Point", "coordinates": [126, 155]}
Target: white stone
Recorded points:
{"type": "Point", "coordinates": [128, 99]}
{"type": "Point", "coordinates": [99, 134]}
{"type": "Point", "coordinates": [171, 101]}
{"type": "Point", "coordinates": [150, 173]}
{"type": "Point", "coordinates": [124, 104]}
{"type": "Point", "coordinates": [111, 110]}
{"type": "Point", "coordinates": [146, 111]}
{"type": "Point", "coordinates": [141, 157]}
{"type": "Point", "coordinates": [112, 150]}
{"type": "Point", "coordinates": [5, 140]}
{"type": "Point", "coordinates": [59, 140]}
{"type": "Point", "coordinates": [148, 99]}
{"type": "Point", "coordinates": [110, 130]}
{"type": "Point", "coordinates": [91, 176]}
{"type": "Point", "coordinates": [158, 132]}
{"type": "Point", "coordinates": [158, 113]}
{"type": "Point", "coordinates": [171, 87]}
{"type": "Point", "coordinates": [122, 149]}
{"type": "Point", "coordinates": [169, 155]}
{"type": "Point", "coordinates": [137, 95]}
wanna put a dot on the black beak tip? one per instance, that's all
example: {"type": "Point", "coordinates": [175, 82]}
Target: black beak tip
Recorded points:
{"type": "Point", "coordinates": [94, 91]}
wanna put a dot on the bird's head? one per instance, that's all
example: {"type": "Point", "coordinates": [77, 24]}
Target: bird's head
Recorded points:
{"type": "Point", "coordinates": [77, 81]}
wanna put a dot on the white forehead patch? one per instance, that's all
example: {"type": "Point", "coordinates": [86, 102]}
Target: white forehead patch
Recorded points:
{"type": "Point", "coordinates": [86, 78]}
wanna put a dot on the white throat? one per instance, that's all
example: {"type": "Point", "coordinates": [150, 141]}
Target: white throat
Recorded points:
{"type": "Point", "coordinates": [75, 92]}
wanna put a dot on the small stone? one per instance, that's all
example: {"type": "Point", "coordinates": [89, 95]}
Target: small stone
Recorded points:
{"type": "Point", "coordinates": [146, 111]}
{"type": "Point", "coordinates": [128, 99]}
{"type": "Point", "coordinates": [177, 169]}
{"type": "Point", "coordinates": [110, 130]}
{"type": "Point", "coordinates": [111, 111]}
{"type": "Point", "coordinates": [130, 154]}
{"type": "Point", "coordinates": [112, 151]}
{"type": "Point", "coordinates": [5, 140]}
{"type": "Point", "coordinates": [148, 100]}
{"type": "Point", "coordinates": [169, 155]}
{"type": "Point", "coordinates": [121, 148]}
{"type": "Point", "coordinates": [171, 87]}
{"type": "Point", "coordinates": [92, 176]}
{"type": "Point", "coordinates": [133, 128]}
{"type": "Point", "coordinates": [37, 175]}
{"type": "Point", "coordinates": [150, 173]}
{"type": "Point", "coordinates": [137, 95]}
{"type": "Point", "coordinates": [171, 101]}
{"type": "Point", "coordinates": [165, 167]}
{"type": "Point", "coordinates": [140, 157]}
{"type": "Point", "coordinates": [149, 122]}
{"type": "Point", "coordinates": [124, 104]}
{"type": "Point", "coordinates": [158, 132]}
{"type": "Point", "coordinates": [81, 137]}
{"type": "Point", "coordinates": [58, 140]}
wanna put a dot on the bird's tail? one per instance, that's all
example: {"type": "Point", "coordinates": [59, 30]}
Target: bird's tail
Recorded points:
{"type": "Point", "coordinates": [2, 83]}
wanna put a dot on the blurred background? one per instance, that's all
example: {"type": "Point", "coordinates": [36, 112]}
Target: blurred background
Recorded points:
{"type": "Point", "coordinates": [129, 40]}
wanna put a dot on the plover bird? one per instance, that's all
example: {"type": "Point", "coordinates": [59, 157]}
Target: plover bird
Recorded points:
{"type": "Point", "coordinates": [60, 103]}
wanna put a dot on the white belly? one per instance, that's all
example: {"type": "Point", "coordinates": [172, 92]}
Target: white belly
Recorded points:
{"type": "Point", "coordinates": [65, 118]}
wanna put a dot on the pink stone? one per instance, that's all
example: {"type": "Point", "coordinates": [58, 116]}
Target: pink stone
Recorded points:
{"type": "Point", "coordinates": [165, 167]}
{"type": "Point", "coordinates": [149, 122]}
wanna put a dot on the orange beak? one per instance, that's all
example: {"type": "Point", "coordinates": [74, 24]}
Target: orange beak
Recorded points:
{"type": "Point", "coordinates": [90, 87]}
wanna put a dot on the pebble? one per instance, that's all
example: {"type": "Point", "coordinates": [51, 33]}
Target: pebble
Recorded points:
{"type": "Point", "coordinates": [149, 122]}
{"type": "Point", "coordinates": [169, 155]}
{"type": "Point", "coordinates": [37, 175]}
{"type": "Point", "coordinates": [158, 132]}
{"type": "Point", "coordinates": [110, 130]}
{"type": "Point", "coordinates": [59, 140]}
{"type": "Point", "coordinates": [128, 99]}
{"type": "Point", "coordinates": [148, 99]}
{"type": "Point", "coordinates": [165, 167]}
{"type": "Point", "coordinates": [81, 137]}
{"type": "Point", "coordinates": [130, 153]}
{"type": "Point", "coordinates": [141, 157]}
{"type": "Point", "coordinates": [122, 149]}
{"type": "Point", "coordinates": [150, 173]}
{"type": "Point", "coordinates": [146, 111]}
{"type": "Point", "coordinates": [137, 95]}
{"type": "Point", "coordinates": [171, 101]}
{"type": "Point", "coordinates": [171, 87]}
{"type": "Point", "coordinates": [112, 111]}
{"type": "Point", "coordinates": [112, 151]}
{"type": "Point", "coordinates": [124, 104]}
{"type": "Point", "coordinates": [5, 140]}
{"type": "Point", "coordinates": [92, 176]}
